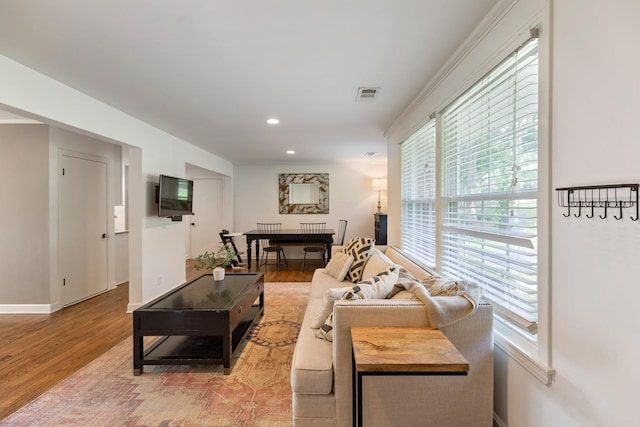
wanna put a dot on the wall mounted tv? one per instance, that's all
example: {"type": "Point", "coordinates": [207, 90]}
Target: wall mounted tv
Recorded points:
{"type": "Point", "coordinates": [175, 197]}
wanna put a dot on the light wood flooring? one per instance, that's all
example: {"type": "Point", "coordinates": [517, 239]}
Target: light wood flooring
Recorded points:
{"type": "Point", "coordinates": [38, 351]}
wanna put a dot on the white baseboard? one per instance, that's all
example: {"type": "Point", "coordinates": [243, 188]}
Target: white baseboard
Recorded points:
{"type": "Point", "coordinates": [131, 307]}
{"type": "Point", "coordinates": [26, 309]}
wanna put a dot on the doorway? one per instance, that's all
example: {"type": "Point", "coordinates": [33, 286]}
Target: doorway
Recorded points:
{"type": "Point", "coordinates": [206, 223]}
{"type": "Point", "coordinates": [83, 228]}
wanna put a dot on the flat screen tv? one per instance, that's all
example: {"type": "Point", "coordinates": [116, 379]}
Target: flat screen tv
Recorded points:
{"type": "Point", "coordinates": [175, 197]}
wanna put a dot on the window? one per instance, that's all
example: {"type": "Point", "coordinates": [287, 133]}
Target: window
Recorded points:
{"type": "Point", "coordinates": [418, 159]}
{"type": "Point", "coordinates": [478, 221]}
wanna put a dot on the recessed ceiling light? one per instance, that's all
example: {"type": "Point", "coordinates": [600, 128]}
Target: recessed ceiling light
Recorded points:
{"type": "Point", "coordinates": [273, 121]}
{"type": "Point", "coordinates": [370, 153]}
{"type": "Point", "coordinates": [291, 152]}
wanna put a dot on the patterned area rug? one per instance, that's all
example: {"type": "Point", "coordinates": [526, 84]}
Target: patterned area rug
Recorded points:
{"type": "Point", "coordinates": [256, 393]}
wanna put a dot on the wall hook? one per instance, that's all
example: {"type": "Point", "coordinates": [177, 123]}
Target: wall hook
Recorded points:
{"type": "Point", "coordinates": [590, 216]}
{"type": "Point", "coordinates": [619, 217]}
{"type": "Point", "coordinates": [568, 212]}
{"type": "Point", "coordinates": [579, 211]}
{"type": "Point", "coordinates": [635, 190]}
{"type": "Point", "coordinates": [605, 211]}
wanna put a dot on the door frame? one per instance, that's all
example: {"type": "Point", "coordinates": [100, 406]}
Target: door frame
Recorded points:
{"type": "Point", "coordinates": [56, 273]}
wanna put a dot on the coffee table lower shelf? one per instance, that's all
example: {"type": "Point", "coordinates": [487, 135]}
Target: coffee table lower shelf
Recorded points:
{"type": "Point", "coordinates": [191, 350]}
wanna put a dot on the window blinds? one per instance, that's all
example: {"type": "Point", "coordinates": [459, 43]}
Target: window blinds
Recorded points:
{"type": "Point", "coordinates": [480, 224]}
{"type": "Point", "coordinates": [418, 157]}
{"type": "Point", "coordinates": [489, 194]}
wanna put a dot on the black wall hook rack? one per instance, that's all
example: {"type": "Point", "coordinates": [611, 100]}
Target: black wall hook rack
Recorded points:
{"type": "Point", "coordinates": [606, 197]}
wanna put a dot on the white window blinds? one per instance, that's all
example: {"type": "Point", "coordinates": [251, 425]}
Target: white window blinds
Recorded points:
{"type": "Point", "coordinates": [489, 194]}
{"type": "Point", "coordinates": [418, 157]}
{"type": "Point", "coordinates": [480, 223]}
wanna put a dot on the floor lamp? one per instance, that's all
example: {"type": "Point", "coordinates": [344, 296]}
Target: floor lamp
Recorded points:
{"type": "Point", "coordinates": [379, 184]}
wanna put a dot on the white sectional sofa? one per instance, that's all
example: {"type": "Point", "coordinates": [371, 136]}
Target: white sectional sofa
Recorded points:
{"type": "Point", "coordinates": [321, 372]}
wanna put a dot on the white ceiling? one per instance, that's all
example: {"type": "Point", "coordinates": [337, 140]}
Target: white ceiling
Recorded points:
{"type": "Point", "coordinates": [212, 71]}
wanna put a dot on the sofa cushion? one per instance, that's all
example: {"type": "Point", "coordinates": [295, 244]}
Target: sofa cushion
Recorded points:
{"type": "Point", "coordinates": [360, 248]}
{"type": "Point", "coordinates": [312, 363]}
{"type": "Point", "coordinates": [321, 282]}
{"type": "Point", "coordinates": [317, 410]}
{"type": "Point", "coordinates": [327, 305]}
{"type": "Point", "coordinates": [419, 271]}
{"type": "Point", "coordinates": [339, 266]}
{"type": "Point", "coordinates": [376, 263]}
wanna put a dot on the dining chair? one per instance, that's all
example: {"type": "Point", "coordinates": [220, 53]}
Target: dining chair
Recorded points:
{"type": "Point", "coordinates": [342, 229]}
{"type": "Point", "coordinates": [270, 244]}
{"type": "Point", "coordinates": [313, 242]}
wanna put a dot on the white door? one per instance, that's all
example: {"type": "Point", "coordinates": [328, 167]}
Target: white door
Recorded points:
{"type": "Point", "coordinates": [83, 228]}
{"type": "Point", "coordinates": [206, 223]}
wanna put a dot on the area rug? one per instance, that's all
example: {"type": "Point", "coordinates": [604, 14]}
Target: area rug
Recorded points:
{"type": "Point", "coordinates": [256, 393]}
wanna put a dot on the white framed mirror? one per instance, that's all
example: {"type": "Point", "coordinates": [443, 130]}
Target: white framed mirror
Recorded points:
{"type": "Point", "coordinates": [304, 193]}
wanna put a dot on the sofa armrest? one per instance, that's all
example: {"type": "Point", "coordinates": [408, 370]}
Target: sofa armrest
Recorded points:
{"type": "Point", "coordinates": [364, 313]}
{"type": "Point", "coordinates": [472, 336]}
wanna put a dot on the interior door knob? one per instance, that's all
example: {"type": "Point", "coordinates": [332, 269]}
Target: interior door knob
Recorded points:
{"type": "Point", "coordinates": [104, 235]}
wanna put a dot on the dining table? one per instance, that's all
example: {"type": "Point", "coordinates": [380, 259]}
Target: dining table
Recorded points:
{"type": "Point", "coordinates": [287, 236]}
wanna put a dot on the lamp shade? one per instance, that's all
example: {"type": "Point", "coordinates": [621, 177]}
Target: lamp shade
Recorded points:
{"type": "Point", "coordinates": [379, 184]}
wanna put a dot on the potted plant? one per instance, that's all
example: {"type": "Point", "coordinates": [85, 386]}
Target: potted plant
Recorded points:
{"type": "Point", "coordinates": [217, 261]}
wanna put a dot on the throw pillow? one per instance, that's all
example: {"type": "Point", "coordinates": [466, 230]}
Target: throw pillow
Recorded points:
{"type": "Point", "coordinates": [326, 307]}
{"type": "Point", "coordinates": [360, 248]}
{"type": "Point", "coordinates": [377, 287]}
{"type": "Point", "coordinates": [376, 263]}
{"type": "Point", "coordinates": [326, 330]}
{"type": "Point", "coordinates": [339, 266]}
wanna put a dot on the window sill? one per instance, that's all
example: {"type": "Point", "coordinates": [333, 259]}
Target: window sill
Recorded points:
{"type": "Point", "coordinates": [543, 373]}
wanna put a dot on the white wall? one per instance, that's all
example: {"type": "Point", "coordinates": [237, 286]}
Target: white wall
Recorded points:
{"type": "Point", "coordinates": [350, 197]}
{"type": "Point", "coordinates": [156, 246]}
{"type": "Point", "coordinates": [24, 228]}
{"type": "Point", "coordinates": [595, 139]}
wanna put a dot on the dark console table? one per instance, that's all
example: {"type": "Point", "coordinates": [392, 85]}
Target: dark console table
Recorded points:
{"type": "Point", "coordinates": [201, 322]}
{"type": "Point", "coordinates": [287, 236]}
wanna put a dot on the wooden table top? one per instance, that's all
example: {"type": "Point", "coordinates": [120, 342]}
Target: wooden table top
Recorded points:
{"type": "Point", "coordinates": [405, 349]}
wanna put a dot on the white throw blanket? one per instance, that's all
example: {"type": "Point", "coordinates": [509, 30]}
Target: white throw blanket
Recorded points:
{"type": "Point", "coordinates": [447, 301]}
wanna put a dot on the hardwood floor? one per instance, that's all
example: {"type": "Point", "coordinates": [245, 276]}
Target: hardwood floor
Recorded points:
{"type": "Point", "coordinates": [38, 351]}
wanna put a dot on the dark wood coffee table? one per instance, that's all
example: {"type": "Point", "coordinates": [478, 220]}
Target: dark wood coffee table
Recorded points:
{"type": "Point", "coordinates": [201, 322]}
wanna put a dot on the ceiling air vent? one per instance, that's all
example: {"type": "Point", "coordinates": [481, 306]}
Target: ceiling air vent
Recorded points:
{"type": "Point", "coordinates": [367, 94]}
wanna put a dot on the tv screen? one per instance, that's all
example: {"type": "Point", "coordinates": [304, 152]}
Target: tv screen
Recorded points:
{"type": "Point", "coordinates": [175, 196]}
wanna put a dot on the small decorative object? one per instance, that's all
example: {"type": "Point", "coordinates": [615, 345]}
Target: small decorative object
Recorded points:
{"type": "Point", "coordinates": [218, 273]}
{"type": "Point", "coordinates": [379, 184]}
{"type": "Point", "coordinates": [222, 258]}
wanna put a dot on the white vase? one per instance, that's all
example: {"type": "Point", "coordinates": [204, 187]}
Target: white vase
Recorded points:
{"type": "Point", "coordinates": [218, 273]}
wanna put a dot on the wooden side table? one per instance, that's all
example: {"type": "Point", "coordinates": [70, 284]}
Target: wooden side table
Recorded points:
{"type": "Point", "coordinates": [400, 351]}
